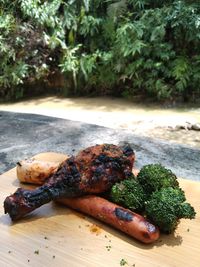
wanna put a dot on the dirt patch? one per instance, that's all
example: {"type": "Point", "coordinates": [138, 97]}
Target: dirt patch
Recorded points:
{"type": "Point", "coordinates": [146, 120]}
{"type": "Point", "coordinates": [188, 137]}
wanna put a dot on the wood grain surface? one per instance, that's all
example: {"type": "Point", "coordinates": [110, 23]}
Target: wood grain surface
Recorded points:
{"type": "Point", "coordinates": [54, 235]}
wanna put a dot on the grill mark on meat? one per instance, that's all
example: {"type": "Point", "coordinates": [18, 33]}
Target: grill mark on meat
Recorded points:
{"type": "Point", "coordinates": [123, 215]}
{"type": "Point", "coordinates": [151, 228]}
{"type": "Point", "coordinates": [127, 150]}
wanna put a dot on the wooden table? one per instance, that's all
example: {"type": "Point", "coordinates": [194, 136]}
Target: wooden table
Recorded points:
{"type": "Point", "coordinates": [54, 235]}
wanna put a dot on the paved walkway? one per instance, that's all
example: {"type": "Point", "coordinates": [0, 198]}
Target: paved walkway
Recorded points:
{"type": "Point", "coordinates": [24, 135]}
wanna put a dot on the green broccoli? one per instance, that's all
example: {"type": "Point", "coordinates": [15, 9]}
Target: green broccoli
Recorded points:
{"type": "Point", "coordinates": [157, 194]}
{"type": "Point", "coordinates": [153, 177]}
{"type": "Point", "coordinates": [129, 193]}
{"type": "Point", "coordinates": [166, 207]}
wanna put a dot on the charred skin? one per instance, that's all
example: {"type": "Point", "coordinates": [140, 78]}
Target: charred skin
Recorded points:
{"type": "Point", "coordinates": [93, 170]}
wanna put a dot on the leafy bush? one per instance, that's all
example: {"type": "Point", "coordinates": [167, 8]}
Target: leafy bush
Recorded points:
{"type": "Point", "coordinates": [126, 47]}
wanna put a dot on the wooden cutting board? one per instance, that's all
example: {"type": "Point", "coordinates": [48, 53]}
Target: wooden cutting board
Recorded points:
{"type": "Point", "coordinates": [54, 235]}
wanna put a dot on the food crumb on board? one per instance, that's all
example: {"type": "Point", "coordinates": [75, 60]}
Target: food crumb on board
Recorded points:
{"type": "Point", "coordinates": [108, 248]}
{"type": "Point", "coordinates": [95, 229]}
{"type": "Point", "coordinates": [188, 229]}
{"type": "Point", "coordinates": [53, 256]}
{"type": "Point", "coordinates": [36, 252]}
{"type": "Point", "coordinates": [9, 251]}
{"type": "Point", "coordinates": [123, 262]}
{"type": "Point", "coordinates": [45, 237]}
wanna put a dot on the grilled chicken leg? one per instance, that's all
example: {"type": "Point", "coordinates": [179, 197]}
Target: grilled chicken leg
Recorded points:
{"type": "Point", "coordinates": [94, 170]}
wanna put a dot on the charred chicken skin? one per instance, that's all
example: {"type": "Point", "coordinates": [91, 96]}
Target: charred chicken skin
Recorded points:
{"type": "Point", "coordinates": [93, 170]}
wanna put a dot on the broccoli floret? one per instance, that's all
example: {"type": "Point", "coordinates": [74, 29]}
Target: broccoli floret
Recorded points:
{"type": "Point", "coordinates": [129, 193]}
{"type": "Point", "coordinates": [153, 177]}
{"type": "Point", "coordinates": [166, 207]}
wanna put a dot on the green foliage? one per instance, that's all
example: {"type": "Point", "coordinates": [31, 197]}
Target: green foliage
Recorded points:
{"type": "Point", "coordinates": [70, 62]}
{"type": "Point", "coordinates": [123, 47]}
{"type": "Point", "coordinates": [166, 207]}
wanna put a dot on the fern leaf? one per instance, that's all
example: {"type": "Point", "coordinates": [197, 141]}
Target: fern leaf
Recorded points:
{"type": "Point", "coordinates": [86, 4]}
{"type": "Point", "coordinates": [115, 10]}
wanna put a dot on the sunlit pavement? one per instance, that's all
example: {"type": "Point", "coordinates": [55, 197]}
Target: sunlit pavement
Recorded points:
{"type": "Point", "coordinates": [25, 135]}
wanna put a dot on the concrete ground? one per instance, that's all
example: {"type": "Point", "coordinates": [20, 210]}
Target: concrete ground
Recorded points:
{"type": "Point", "coordinates": [23, 135]}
